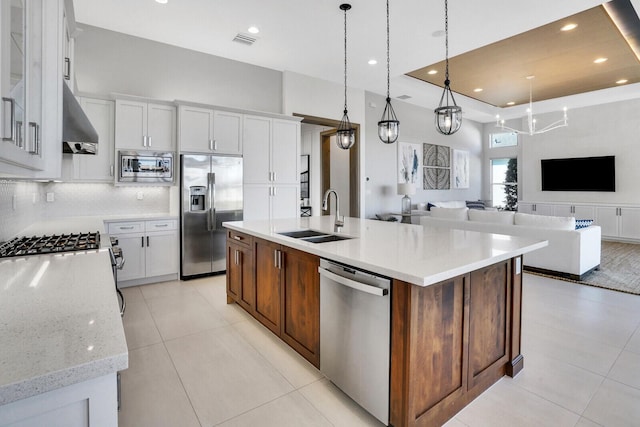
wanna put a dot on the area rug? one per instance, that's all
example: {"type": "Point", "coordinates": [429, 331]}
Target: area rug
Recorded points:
{"type": "Point", "coordinates": [619, 269]}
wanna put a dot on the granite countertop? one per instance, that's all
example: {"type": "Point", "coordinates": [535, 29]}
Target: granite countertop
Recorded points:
{"type": "Point", "coordinates": [412, 253]}
{"type": "Point", "coordinates": [60, 322]}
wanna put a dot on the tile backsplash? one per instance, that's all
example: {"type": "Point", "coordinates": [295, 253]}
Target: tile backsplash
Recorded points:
{"type": "Point", "coordinates": [23, 203]}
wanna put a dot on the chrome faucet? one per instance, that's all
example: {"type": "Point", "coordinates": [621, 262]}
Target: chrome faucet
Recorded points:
{"type": "Point", "coordinates": [325, 206]}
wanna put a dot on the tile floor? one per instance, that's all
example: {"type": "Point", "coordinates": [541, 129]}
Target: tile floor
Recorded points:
{"type": "Point", "coordinates": [196, 361]}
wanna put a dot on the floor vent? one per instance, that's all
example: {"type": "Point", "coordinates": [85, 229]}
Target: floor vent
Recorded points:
{"type": "Point", "coordinates": [245, 39]}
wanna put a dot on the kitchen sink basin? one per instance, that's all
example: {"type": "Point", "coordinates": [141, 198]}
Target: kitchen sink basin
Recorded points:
{"type": "Point", "coordinates": [314, 236]}
{"type": "Point", "coordinates": [326, 238]}
{"type": "Point", "coordinates": [301, 234]}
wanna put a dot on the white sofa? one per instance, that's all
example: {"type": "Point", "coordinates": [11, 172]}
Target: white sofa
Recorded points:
{"type": "Point", "coordinates": [571, 253]}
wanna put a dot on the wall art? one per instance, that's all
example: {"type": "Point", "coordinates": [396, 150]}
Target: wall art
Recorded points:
{"type": "Point", "coordinates": [460, 172]}
{"type": "Point", "coordinates": [409, 163]}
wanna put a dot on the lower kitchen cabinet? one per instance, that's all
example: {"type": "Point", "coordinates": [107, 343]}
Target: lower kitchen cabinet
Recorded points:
{"type": "Point", "coordinates": [280, 287]}
{"type": "Point", "coordinates": [150, 250]}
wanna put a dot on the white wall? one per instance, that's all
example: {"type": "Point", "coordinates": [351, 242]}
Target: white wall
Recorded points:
{"type": "Point", "coordinates": [311, 145]}
{"type": "Point", "coordinates": [110, 62]}
{"type": "Point", "coordinates": [416, 126]}
{"type": "Point", "coordinates": [602, 130]}
{"type": "Point", "coordinates": [320, 98]}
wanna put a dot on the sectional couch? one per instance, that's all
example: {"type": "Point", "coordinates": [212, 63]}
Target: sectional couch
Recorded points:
{"type": "Point", "coordinates": [571, 252]}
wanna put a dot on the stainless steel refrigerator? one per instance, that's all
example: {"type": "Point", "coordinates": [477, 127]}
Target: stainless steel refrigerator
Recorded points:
{"type": "Point", "coordinates": [211, 194]}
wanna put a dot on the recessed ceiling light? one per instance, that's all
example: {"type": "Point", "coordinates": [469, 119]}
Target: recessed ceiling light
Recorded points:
{"type": "Point", "coordinates": [252, 30]}
{"type": "Point", "coordinates": [622, 81]}
{"type": "Point", "coordinates": [599, 60]}
{"type": "Point", "coordinates": [511, 103]}
{"type": "Point", "coordinates": [162, 1]}
{"type": "Point", "coordinates": [372, 62]}
{"type": "Point", "coordinates": [569, 27]}
{"type": "Point", "coordinates": [530, 77]}
{"type": "Point", "coordinates": [432, 72]}
{"type": "Point", "coordinates": [478, 89]}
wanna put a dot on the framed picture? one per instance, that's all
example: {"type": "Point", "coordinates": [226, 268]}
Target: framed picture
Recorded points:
{"type": "Point", "coordinates": [437, 167]}
{"type": "Point", "coordinates": [460, 172]}
{"type": "Point", "coordinates": [436, 156]}
{"type": "Point", "coordinates": [436, 178]}
{"type": "Point", "coordinates": [409, 163]}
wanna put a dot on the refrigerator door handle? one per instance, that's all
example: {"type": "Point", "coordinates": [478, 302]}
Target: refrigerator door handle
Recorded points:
{"type": "Point", "coordinates": [211, 219]}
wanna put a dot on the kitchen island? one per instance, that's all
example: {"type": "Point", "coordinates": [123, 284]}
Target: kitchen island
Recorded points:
{"type": "Point", "coordinates": [62, 336]}
{"type": "Point", "coordinates": [455, 301]}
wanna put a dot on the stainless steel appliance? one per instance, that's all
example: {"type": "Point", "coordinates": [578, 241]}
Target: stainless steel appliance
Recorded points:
{"type": "Point", "coordinates": [145, 168]}
{"type": "Point", "coordinates": [54, 243]}
{"type": "Point", "coordinates": [211, 195]}
{"type": "Point", "coordinates": [355, 323]}
{"type": "Point", "coordinates": [117, 263]}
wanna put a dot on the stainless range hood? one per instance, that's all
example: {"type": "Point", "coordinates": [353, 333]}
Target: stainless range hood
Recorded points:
{"type": "Point", "coordinates": [78, 134]}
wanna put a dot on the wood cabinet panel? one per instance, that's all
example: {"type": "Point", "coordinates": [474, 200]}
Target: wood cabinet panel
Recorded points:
{"type": "Point", "coordinates": [267, 288]}
{"type": "Point", "coordinates": [301, 304]}
{"type": "Point", "coordinates": [234, 272]}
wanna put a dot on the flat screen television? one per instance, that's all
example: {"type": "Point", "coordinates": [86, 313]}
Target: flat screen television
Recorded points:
{"type": "Point", "coordinates": [579, 174]}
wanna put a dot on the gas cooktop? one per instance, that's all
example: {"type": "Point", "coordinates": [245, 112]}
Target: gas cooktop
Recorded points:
{"type": "Point", "coordinates": [50, 244]}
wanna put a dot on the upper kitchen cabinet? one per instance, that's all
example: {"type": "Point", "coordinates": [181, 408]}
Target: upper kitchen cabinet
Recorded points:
{"type": "Point", "coordinates": [30, 83]}
{"type": "Point", "coordinates": [271, 151]}
{"type": "Point", "coordinates": [205, 130]}
{"type": "Point", "coordinates": [68, 45]}
{"type": "Point", "coordinates": [101, 166]}
{"type": "Point", "coordinates": [143, 125]}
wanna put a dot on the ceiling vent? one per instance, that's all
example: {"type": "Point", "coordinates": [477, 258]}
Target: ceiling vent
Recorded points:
{"type": "Point", "coordinates": [404, 97]}
{"type": "Point", "coordinates": [244, 39]}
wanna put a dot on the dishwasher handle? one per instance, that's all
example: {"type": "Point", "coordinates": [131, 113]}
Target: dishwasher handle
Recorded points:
{"type": "Point", "coordinates": [359, 286]}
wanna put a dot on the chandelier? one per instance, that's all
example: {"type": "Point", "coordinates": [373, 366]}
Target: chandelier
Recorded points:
{"type": "Point", "coordinates": [346, 134]}
{"type": "Point", "coordinates": [531, 121]}
{"type": "Point", "coordinates": [388, 126]}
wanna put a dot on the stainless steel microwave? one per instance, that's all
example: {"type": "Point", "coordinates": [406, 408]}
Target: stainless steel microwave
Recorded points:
{"type": "Point", "coordinates": [145, 167]}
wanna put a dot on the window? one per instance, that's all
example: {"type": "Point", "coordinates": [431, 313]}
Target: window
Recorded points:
{"type": "Point", "coordinates": [505, 139]}
{"type": "Point", "coordinates": [504, 183]}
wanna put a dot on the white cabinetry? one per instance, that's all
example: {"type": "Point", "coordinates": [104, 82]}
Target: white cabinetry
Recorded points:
{"type": "Point", "coordinates": [271, 167]}
{"type": "Point", "coordinates": [101, 166]}
{"type": "Point", "coordinates": [145, 125]}
{"type": "Point", "coordinates": [30, 83]}
{"type": "Point", "coordinates": [68, 45]}
{"type": "Point", "coordinates": [576, 211]}
{"type": "Point", "coordinates": [617, 222]}
{"type": "Point", "coordinates": [150, 250]}
{"type": "Point", "coordinates": [205, 130]}
{"type": "Point", "coordinates": [535, 208]}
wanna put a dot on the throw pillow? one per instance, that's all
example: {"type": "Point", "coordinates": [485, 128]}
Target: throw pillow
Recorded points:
{"type": "Point", "coordinates": [430, 205]}
{"type": "Point", "coordinates": [583, 223]}
{"type": "Point", "coordinates": [458, 214]}
{"type": "Point", "coordinates": [475, 204]}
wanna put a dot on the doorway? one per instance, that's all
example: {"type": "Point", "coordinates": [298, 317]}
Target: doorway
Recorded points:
{"type": "Point", "coordinates": [339, 169]}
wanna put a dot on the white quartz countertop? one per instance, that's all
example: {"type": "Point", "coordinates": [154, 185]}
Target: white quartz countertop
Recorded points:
{"type": "Point", "coordinates": [60, 322]}
{"type": "Point", "coordinates": [412, 253]}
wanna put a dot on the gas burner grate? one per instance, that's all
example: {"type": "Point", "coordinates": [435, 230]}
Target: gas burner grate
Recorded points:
{"type": "Point", "coordinates": [36, 245]}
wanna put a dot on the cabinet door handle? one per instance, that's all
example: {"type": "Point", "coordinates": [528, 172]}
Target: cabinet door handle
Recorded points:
{"type": "Point", "coordinates": [215, 145]}
{"type": "Point", "coordinates": [111, 170]}
{"type": "Point", "coordinates": [237, 257]}
{"type": "Point", "coordinates": [142, 242]}
{"type": "Point", "coordinates": [274, 191]}
{"type": "Point", "coordinates": [67, 72]}
{"type": "Point", "coordinates": [275, 258]}
{"type": "Point", "coordinates": [144, 140]}
{"type": "Point", "coordinates": [211, 145]}
{"type": "Point", "coordinates": [129, 227]}
{"type": "Point", "coordinates": [147, 240]}
{"type": "Point", "coordinates": [161, 225]}
{"type": "Point", "coordinates": [275, 177]}
{"type": "Point", "coordinates": [279, 259]}
{"type": "Point", "coordinates": [237, 237]}
{"type": "Point", "coordinates": [12, 113]}
{"type": "Point", "coordinates": [36, 138]}
{"type": "Point", "coordinates": [148, 141]}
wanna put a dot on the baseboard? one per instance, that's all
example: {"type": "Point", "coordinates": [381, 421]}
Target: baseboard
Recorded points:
{"type": "Point", "coordinates": [576, 277]}
{"type": "Point", "coordinates": [147, 280]}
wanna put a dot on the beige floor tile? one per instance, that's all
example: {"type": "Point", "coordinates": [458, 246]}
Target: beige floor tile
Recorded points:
{"type": "Point", "coordinates": [132, 294]}
{"type": "Point", "coordinates": [507, 405]}
{"type": "Point", "coordinates": [152, 395]}
{"type": "Point", "coordinates": [291, 410]}
{"type": "Point", "coordinates": [336, 406]}
{"type": "Point", "coordinates": [564, 384]}
{"type": "Point", "coordinates": [139, 327]}
{"type": "Point", "coordinates": [583, 422]}
{"type": "Point", "coordinates": [568, 347]}
{"type": "Point", "coordinates": [215, 292]}
{"type": "Point", "coordinates": [163, 289]}
{"type": "Point", "coordinates": [223, 375]}
{"type": "Point", "coordinates": [627, 369]}
{"type": "Point", "coordinates": [634, 342]}
{"type": "Point", "coordinates": [454, 422]}
{"type": "Point", "coordinates": [296, 369]}
{"type": "Point", "coordinates": [183, 314]}
{"type": "Point", "coordinates": [615, 405]}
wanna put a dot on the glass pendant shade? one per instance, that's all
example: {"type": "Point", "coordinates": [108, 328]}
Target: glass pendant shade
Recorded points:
{"type": "Point", "coordinates": [345, 135]}
{"type": "Point", "coordinates": [389, 125]}
{"type": "Point", "coordinates": [448, 117]}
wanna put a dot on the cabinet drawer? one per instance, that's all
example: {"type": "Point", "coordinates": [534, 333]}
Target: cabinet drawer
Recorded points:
{"type": "Point", "coordinates": [241, 238]}
{"type": "Point", "coordinates": [126, 227]}
{"type": "Point", "coordinates": [161, 225]}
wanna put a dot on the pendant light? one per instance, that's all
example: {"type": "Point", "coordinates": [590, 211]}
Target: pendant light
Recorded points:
{"type": "Point", "coordinates": [346, 135]}
{"type": "Point", "coordinates": [388, 126]}
{"type": "Point", "coordinates": [448, 117]}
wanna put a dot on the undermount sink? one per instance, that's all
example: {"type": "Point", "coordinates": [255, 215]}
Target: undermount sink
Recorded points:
{"type": "Point", "coordinates": [314, 236]}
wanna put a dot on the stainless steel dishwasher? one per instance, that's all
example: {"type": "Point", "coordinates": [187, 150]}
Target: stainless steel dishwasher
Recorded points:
{"type": "Point", "coordinates": [355, 311]}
